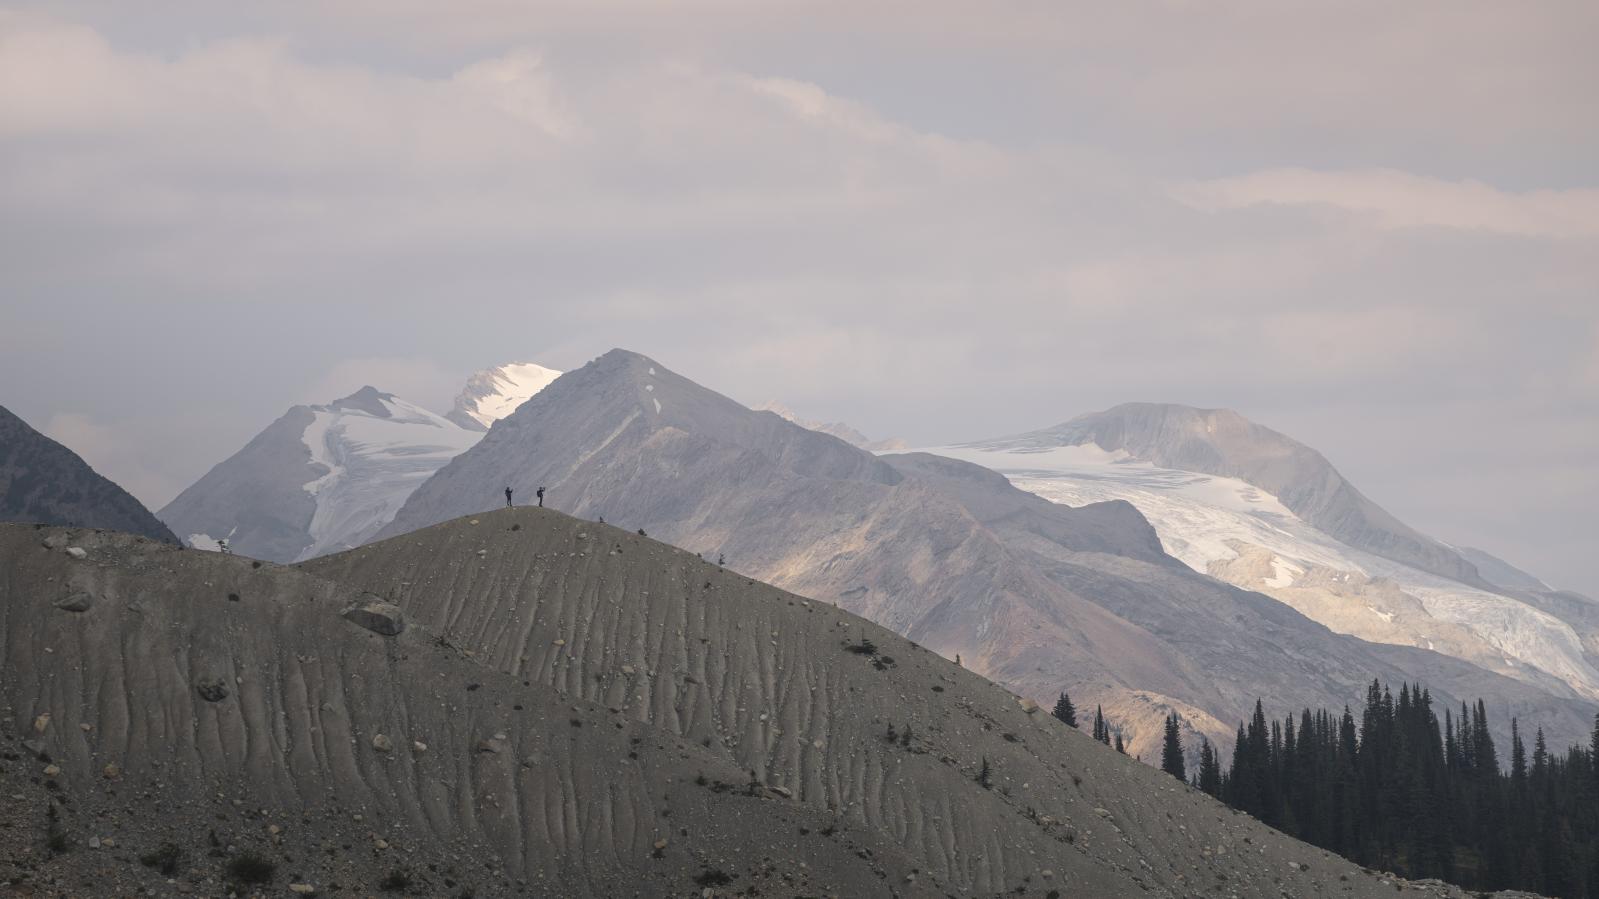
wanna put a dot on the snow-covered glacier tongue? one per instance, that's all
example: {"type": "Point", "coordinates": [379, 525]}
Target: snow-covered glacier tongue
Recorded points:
{"type": "Point", "coordinates": [1242, 534]}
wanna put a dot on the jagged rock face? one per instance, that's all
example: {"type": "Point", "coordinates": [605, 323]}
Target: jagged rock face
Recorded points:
{"type": "Point", "coordinates": [1036, 595]}
{"type": "Point", "coordinates": [45, 482]}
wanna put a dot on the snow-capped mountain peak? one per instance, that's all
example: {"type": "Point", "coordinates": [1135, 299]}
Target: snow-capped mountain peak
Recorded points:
{"type": "Point", "coordinates": [494, 393]}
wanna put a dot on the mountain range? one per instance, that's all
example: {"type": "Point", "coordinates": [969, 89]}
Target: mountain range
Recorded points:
{"type": "Point", "coordinates": [1257, 509]}
{"type": "Point", "coordinates": [1037, 595]}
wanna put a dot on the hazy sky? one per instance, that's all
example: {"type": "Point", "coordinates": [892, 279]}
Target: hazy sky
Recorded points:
{"type": "Point", "coordinates": [1374, 226]}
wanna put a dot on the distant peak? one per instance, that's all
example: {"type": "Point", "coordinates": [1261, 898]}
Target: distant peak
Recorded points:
{"type": "Point", "coordinates": [494, 393]}
{"type": "Point", "coordinates": [368, 399]}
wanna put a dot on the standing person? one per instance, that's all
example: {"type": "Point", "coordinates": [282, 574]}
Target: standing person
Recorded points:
{"type": "Point", "coordinates": [541, 497]}
{"type": "Point", "coordinates": [507, 497]}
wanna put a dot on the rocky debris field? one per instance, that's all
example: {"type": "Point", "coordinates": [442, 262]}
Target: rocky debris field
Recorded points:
{"type": "Point", "coordinates": [523, 703]}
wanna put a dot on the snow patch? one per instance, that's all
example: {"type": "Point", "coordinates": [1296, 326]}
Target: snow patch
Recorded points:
{"type": "Point", "coordinates": [494, 393]}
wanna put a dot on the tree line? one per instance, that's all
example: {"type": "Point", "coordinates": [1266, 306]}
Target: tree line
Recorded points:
{"type": "Point", "coordinates": [1396, 789]}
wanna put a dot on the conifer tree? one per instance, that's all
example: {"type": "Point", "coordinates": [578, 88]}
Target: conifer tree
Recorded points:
{"type": "Point", "coordinates": [1209, 769]}
{"type": "Point", "coordinates": [1171, 753]}
{"type": "Point", "coordinates": [1064, 710]}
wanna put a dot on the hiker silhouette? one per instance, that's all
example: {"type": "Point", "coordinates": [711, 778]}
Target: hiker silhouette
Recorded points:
{"type": "Point", "coordinates": [507, 497]}
{"type": "Point", "coordinates": [541, 497]}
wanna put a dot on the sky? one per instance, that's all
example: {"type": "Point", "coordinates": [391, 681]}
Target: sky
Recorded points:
{"type": "Point", "coordinates": [1373, 226]}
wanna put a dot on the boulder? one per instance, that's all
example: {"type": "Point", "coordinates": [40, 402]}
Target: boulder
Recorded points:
{"type": "Point", "coordinates": [377, 616]}
{"type": "Point", "coordinates": [77, 552]}
{"type": "Point", "coordinates": [212, 689]}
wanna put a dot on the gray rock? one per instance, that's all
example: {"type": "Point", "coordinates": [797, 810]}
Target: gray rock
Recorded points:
{"type": "Point", "coordinates": [77, 552]}
{"type": "Point", "coordinates": [212, 689]}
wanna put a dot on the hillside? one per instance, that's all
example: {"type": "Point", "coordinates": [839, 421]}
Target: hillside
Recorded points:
{"type": "Point", "coordinates": [43, 481]}
{"type": "Point", "coordinates": [617, 717]}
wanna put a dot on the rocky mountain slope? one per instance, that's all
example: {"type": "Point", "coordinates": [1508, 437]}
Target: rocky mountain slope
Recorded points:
{"type": "Point", "coordinates": [1223, 443]}
{"type": "Point", "coordinates": [548, 707]}
{"type": "Point", "coordinates": [1238, 529]}
{"type": "Point", "coordinates": [319, 479]}
{"type": "Point", "coordinates": [325, 478]}
{"type": "Point", "coordinates": [1034, 594]}
{"type": "Point", "coordinates": [43, 481]}
{"type": "Point", "coordinates": [838, 429]}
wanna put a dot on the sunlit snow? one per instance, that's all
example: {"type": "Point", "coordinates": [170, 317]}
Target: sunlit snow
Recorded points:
{"type": "Point", "coordinates": [371, 466]}
{"type": "Point", "coordinates": [1200, 518]}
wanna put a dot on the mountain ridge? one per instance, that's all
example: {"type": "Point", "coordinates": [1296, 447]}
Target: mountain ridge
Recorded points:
{"type": "Point", "coordinates": [43, 481]}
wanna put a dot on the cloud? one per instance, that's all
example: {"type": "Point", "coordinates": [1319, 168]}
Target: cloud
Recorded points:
{"type": "Point", "coordinates": [110, 451]}
{"type": "Point", "coordinates": [958, 221]}
{"type": "Point", "coordinates": [1395, 199]}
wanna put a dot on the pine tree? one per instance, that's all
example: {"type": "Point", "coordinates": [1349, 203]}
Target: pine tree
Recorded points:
{"type": "Point", "coordinates": [1119, 747]}
{"type": "Point", "coordinates": [1171, 753]}
{"type": "Point", "coordinates": [985, 776]}
{"type": "Point", "coordinates": [1209, 769]}
{"type": "Point", "coordinates": [1101, 731]}
{"type": "Point", "coordinates": [1064, 710]}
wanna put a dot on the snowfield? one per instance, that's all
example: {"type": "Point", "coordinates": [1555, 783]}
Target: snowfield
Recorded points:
{"type": "Point", "coordinates": [372, 464]}
{"type": "Point", "coordinates": [1211, 523]}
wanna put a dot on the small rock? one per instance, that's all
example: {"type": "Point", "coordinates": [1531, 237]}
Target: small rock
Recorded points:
{"type": "Point", "coordinates": [41, 723]}
{"type": "Point", "coordinates": [108, 843]}
{"type": "Point", "coordinates": [380, 843]}
{"type": "Point", "coordinates": [75, 602]}
{"type": "Point", "coordinates": [274, 830]}
{"type": "Point", "coordinates": [86, 727]}
{"type": "Point", "coordinates": [629, 670]}
{"type": "Point", "coordinates": [55, 541]}
{"type": "Point", "coordinates": [77, 552]}
{"type": "Point", "coordinates": [382, 743]}
{"type": "Point", "coordinates": [560, 642]}
{"type": "Point", "coordinates": [419, 746]}
{"type": "Point", "coordinates": [212, 689]}
{"type": "Point", "coordinates": [1028, 705]}
{"type": "Point", "coordinates": [1047, 874]}
{"type": "Point", "coordinates": [94, 842]}
{"type": "Point", "coordinates": [52, 770]}
{"type": "Point", "coordinates": [112, 772]}
{"type": "Point", "coordinates": [473, 521]}
{"type": "Point", "coordinates": [661, 843]}
{"type": "Point", "coordinates": [304, 889]}
{"type": "Point", "coordinates": [491, 746]}
{"type": "Point", "coordinates": [784, 792]}
{"type": "Point", "coordinates": [377, 616]}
